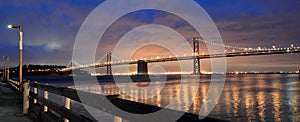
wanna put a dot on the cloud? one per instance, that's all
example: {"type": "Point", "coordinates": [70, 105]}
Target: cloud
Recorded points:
{"type": "Point", "coordinates": [52, 46]}
{"type": "Point", "coordinates": [262, 30]}
{"type": "Point", "coordinates": [50, 27]}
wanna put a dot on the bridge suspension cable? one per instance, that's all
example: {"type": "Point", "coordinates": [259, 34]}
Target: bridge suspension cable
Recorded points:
{"type": "Point", "coordinates": [114, 57]}
{"type": "Point", "coordinates": [223, 45]}
{"type": "Point", "coordinates": [73, 63]}
{"type": "Point", "coordinates": [102, 59]}
{"type": "Point", "coordinates": [246, 48]}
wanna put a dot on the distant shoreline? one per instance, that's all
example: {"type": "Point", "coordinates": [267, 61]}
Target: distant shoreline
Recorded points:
{"type": "Point", "coordinates": [267, 73]}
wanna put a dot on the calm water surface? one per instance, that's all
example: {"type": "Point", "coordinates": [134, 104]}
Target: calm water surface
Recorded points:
{"type": "Point", "coordinates": [251, 97]}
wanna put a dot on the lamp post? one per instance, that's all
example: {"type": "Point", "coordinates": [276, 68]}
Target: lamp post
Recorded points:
{"type": "Point", "coordinates": [6, 67]}
{"type": "Point", "coordinates": [8, 64]}
{"type": "Point", "coordinates": [20, 27]}
{"type": "Point", "coordinates": [4, 70]}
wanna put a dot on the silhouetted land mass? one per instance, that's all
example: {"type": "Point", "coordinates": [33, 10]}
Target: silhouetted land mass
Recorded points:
{"type": "Point", "coordinates": [52, 70]}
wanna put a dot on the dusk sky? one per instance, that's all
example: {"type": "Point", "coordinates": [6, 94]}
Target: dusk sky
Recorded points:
{"type": "Point", "coordinates": [50, 29]}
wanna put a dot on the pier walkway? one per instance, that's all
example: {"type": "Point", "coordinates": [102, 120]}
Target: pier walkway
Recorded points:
{"type": "Point", "coordinates": [11, 107]}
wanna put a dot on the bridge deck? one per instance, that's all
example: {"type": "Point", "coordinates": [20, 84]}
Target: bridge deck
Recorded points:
{"type": "Point", "coordinates": [222, 55]}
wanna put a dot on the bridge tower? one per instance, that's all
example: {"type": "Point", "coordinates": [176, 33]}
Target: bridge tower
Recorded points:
{"type": "Point", "coordinates": [108, 67]}
{"type": "Point", "coordinates": [196, 70]}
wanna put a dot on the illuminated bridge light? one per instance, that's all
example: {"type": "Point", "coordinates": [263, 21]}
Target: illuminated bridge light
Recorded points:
{"type": "Point", "coordinates": [235, 52]}
{"type": "Point", "coordinates": [259, 48]}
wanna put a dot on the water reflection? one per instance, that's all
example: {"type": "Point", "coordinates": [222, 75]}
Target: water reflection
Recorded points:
{"type": "Point", "coordinates": [263, 97]}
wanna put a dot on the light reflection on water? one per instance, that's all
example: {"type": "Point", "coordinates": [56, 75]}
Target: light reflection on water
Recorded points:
{"type": "Point", "coordinates": [251, 97]}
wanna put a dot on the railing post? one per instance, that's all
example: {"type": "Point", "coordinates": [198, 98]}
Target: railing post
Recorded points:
{"type": "Point", "coordinates": [18, 85]}
{"type": "Point", "coordinates": [35, 91]}
{"type": "Point", "coordinates": [67, 105]}
{"type": "Point", "coordinates": [46, 97]}
{"type": "Point", "coordinates": [117, 119]}
{"type": "Point", "coordinates": [26, 98]}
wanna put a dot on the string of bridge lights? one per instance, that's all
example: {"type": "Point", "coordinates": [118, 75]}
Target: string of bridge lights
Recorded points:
{"type": "Point", "coordinates": [234, 48]}
{"type": "Point", "coordinates": [249, 48]}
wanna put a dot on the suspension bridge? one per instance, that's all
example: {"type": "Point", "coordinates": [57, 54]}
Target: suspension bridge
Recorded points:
{"type": "Point", "coordinates": [142, 64]}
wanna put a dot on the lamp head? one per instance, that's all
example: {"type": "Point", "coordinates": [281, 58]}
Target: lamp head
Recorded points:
{"type": "Point", "coordinates": [13, 26]}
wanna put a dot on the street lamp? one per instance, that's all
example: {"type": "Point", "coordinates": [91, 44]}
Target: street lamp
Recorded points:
{"type": "Point", "coordinates": [20, 27]}
{"type": "Point", "coordinates": [4, 71]}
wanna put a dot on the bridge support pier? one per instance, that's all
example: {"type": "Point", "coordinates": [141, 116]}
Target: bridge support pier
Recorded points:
{"type": "Point", "coordinates": [142, 67]}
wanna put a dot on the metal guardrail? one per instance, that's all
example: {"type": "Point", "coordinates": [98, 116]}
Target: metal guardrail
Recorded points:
{"type": "Point", "coordinates": [64, 111]}
{"type": "Point", "coordinates": [15, 84]}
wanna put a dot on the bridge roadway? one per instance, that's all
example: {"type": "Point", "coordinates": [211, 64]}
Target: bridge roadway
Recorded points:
{"type": "Point", "coordinates": [231, 54]}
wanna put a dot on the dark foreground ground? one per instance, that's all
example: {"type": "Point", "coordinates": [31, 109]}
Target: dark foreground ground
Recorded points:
{"type": "Point", "coordinates": [11, 107]}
